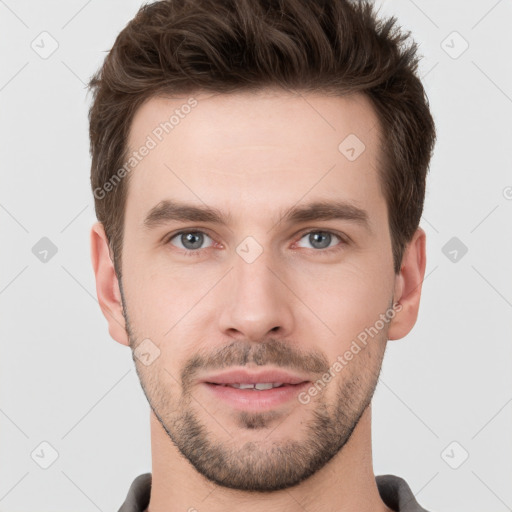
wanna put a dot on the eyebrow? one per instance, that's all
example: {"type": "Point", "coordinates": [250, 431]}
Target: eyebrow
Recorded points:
{"type": "Point", "coordinates": [167, 211]}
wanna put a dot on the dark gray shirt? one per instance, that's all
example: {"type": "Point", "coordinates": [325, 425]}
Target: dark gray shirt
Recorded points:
{"type": "Point", "coordinates": [393, 490]}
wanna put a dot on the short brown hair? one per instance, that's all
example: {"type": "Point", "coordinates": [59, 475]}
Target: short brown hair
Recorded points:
{"type": "Point", "coordinates": [334, 46]}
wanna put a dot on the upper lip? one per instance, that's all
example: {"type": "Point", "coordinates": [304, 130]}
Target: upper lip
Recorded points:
{"type": "Point", "coordinates": [254, 377]}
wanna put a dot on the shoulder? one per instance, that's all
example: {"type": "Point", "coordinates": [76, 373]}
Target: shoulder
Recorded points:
{"type": "Point", "coordinates": [396, 494]}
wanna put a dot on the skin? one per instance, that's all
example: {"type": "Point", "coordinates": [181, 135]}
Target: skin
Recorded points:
{"type": "Point", "coordinates": [252, 156]}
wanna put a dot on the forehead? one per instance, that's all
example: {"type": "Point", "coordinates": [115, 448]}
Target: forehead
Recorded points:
{"type": "Point", "coordinates": [243, 150]}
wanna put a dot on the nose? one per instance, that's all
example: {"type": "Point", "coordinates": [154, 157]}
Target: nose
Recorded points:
{"type": "Point", "coordinates": [258, 302]}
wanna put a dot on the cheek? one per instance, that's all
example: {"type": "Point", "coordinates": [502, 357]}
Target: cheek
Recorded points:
{"type": "Point", "coordinates": [346, 298]}
{"type": "Point", "coordinates": [152, 294]}
{"type": "Point", "coordinates": [168, 307]}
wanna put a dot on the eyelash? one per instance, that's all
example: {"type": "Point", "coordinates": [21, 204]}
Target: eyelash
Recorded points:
{"type": "Point", "coordinates": [343, 241]}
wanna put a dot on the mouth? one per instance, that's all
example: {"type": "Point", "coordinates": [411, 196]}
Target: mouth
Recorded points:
{"type": "Point", "coordinates": [254, 390]}
{"type": "Point", "coordinates": [259, 386]}
{"type": "Point", "coordinates": [256, 396]}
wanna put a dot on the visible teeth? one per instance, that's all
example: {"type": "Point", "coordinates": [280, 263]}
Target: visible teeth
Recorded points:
{"type": "Point", "coordinates": [264, 385]}
{"type": "Point", "coordinates": [243, 386]}
{"type": "Point", "coordinates": [259, 386]}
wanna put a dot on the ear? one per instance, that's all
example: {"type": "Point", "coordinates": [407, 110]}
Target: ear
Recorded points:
{"type": "Point", "coordinates": [107, 285]}
{"type": "Point", "coordinates": [408, 286]}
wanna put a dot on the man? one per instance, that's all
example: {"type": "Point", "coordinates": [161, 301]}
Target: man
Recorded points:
{"type": "Point", "coordinates": [259, 174]}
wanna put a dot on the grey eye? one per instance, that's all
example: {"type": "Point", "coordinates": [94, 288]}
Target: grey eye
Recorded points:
{"type": "Point", "coordinates": [190, 240]}
{"type": "Point", "coordinates": [320, 239]}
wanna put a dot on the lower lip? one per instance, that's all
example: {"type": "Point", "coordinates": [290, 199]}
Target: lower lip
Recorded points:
{"type": "Point", "coordinates": [248, 399]}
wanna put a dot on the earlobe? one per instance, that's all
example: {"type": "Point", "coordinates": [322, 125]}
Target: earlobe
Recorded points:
{"type": "Point", "coordinates": [107, 285]}
{"type": "Point", "coordinates": [408, 285]}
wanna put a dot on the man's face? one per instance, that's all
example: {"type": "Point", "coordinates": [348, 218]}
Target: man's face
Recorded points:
{"type": "Point", "coordinates": [263, 290]}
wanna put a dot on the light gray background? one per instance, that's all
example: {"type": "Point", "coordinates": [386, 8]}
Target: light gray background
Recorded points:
{"type": "Point", "coordinates": [66, 382]}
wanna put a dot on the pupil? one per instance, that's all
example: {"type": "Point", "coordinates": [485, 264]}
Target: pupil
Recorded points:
{"type": "Point", "coordinates": [192, 240]}
{"type": "Point", "coordinates": [319, 239]}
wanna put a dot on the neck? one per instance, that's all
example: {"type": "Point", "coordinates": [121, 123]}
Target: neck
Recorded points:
{"type": "Point", "coordinates": [346, 483]}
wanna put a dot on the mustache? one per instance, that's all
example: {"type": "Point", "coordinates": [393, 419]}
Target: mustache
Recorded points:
{"type": "Point", "coordinates": [240, 353]}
